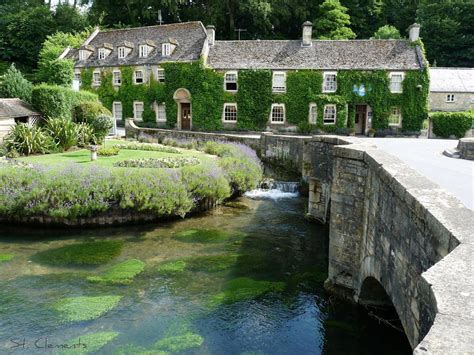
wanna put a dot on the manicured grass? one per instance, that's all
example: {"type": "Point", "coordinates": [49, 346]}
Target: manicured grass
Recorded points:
{"type": "Point", "coordinates": [84, 254]}
{"type": "Point", "coordinates": [76, 309]}
{"type": "Point", "coordinates": [121, 273]}
{"type": "Point", "coordinates": [83, 156]}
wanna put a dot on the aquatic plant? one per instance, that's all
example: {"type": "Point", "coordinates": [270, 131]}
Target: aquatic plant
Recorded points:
{"type": "Point", "coordinates": [158, 163]}
{"type": "Point", "coordinates": [6, 257]}
{"type": "Point", "coordinates": [211, 263]}
{"type": "Point", "coordinates": [92, 342]}
{"type": "Point", "coordinates": [204, 235]}
{"type": "Point", "coordinates": [244, 288]}
{"type": "Point", "coordinates": [75, 309]}
{"type": "Point", "coordinates": [179, 343]}
{"type": "Point", "coordinates": [171, 267]}
{"type": "Point", "coordinates": [84, 254]}
{"type": "Point", "coordinates": [121, 273]}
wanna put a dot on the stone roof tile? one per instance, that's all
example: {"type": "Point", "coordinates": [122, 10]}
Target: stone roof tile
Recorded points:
{"type": "Point", "coordinates": [11, 108]}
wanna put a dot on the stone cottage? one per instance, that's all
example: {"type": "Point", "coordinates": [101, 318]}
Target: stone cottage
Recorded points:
{"type": "Point", "coordinates": [13, 111]}
{"type": "Point", "coordinates": [179, 76]}
{"type": "Point", "coordinates": [451, 89]}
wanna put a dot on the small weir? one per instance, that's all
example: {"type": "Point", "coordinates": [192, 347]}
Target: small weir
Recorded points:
{"type": "Point", "coordinates": [275, 190]}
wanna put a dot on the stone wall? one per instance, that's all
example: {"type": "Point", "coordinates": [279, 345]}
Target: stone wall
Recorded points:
{"type": "Point", "coordinates": [466, 148]}
{"type": "Point", "coordinates": [392, 225]}
{"type": "Point", "coordinates": [463, 102]}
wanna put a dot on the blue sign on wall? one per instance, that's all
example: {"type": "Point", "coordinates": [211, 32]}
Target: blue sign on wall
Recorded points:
{"type": "Point", "coordinates": [359, 90]}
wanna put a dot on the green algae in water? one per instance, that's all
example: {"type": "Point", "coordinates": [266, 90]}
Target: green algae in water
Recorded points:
{"type": "Point", "coordinates": [211, 263]}
{"type": "Point", "coordinates": [75, 309]}
{"type": "Point", "coordinates": [179, 343]}
{"type": "Point", "coordinates": [172, 267]}
{"type": "Point", "coordinates": [84, 254]}
{"type": "Point", "coordinates": [93, 342]}
{"type": "Point", "coordinates": [131, 349]}
{"type": "Point", "coordinates": [120, 274]}
{"type": "Point", "coordinates": [6, 257]}
{"type": "Point", "coordinates": [244, 288]}
{"type": "Point", "coordinates": [206, 235]}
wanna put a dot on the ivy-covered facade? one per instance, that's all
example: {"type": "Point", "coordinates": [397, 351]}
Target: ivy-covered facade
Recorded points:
{"type": "Point", "coordinates": [240, 92]}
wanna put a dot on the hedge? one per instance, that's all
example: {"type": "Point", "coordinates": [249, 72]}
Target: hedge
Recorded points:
{"type": "Point", "coordinates": [54, 101]}
{"type": "Point", "coordinates": [446, 124]}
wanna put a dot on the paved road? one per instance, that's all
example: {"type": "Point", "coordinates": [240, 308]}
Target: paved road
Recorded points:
{"type": "Point", "coordinates": [426, 156]}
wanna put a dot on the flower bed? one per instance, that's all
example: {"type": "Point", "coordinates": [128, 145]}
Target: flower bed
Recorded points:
{"type": "Point", "coordinates": [157, 163]}
{"type": "Point", "coordinates": [148, 147]}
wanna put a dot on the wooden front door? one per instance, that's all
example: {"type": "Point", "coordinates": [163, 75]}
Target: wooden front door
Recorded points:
{"type": "Point", "coordinates": [360, 119]}
{"type": "Point", "coordinates": [186, 116]}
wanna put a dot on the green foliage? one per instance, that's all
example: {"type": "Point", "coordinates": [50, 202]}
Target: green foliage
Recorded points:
{"type": "Point", "coordinates": [172, 267]}
{"type": "Point", "coordinates": [244, 288]}
{"type": "Point", "coordinates": [6, 257]}
{"type": "Point", "coordinates": [175, 344]}
{"type": "Point", "coordinates": [102, 125]}
{"type": "Point", "coordinates": [206, 181]}
{"type": "Point", "coordinates": [14, 85]}
{"type": "Point", "coordinates": [387, 32]}
{"type": "Point", "coordinates": [302, 86]}
{"type": "Point", "coordinates": [61, 72]}
{"type": "Point", "coordinates": [333, 21]}
{"type": "Point", "coordinates": [63, 132]}
{"type": "Point", "coordinates": [84, 134]}
{"type": "Point", "coordinates": [84, 254]}
{"type": "Point", "coordinates": [447, 124]}
{"type": "Point", "coordinates": [108, 152]}
{"type": "Point", "coordinates": [147, 147]}
{"type": "Point", "coordinates": [158, 163]}
{"type": "Point", "coordinates": [27, 140]}
{"type": "Point", "coordinates": [77, 309]}
{"type": "Point", "coordinates": [121, 273]}
{"type": "Point", "coordinates": [88, 111]}
{"type": "Point", "coordinates": [93, 342]}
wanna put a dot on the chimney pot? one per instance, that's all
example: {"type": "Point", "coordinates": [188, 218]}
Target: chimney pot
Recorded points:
{"type": "Point", "coordinates": [307, 34]}
{"type": "Point", "coordinates": [211, 34]}
{"type": "Point", "coordinates": [414, 32]}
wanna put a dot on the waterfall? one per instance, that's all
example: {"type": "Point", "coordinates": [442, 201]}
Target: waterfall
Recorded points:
{"type": "Point", "coordinates": [275, 190]}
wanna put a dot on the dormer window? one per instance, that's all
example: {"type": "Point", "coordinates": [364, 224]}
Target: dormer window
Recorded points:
{"type": "Point", "coordinates": [102, 53]}
{"type": "Point", "coordinates": [330, 82]}
{"type": "Point", "coordinates": [139, 77]}
{"type": "Point", "coordinates": [83, 54]}
{"type": "Point", "coordinates": [121, 53]}
{"type": "Point", "coordinates": [143, 51]}
{"type": "Point", "coordinates": [279, 81]}
{"type": "Point", "coordinates": [230, 81]}
{"type": "Point", "coordinates": [166, 49]}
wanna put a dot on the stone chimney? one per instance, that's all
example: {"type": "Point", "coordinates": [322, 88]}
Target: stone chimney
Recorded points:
{"type": "Point", "coordinates": [211, 35]}
{"type": "Point", "coordinates": [307, 34]}
{"type": "Point", "coordinates": [414, 32]}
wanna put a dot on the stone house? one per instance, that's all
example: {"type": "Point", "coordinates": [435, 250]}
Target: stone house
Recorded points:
{"type": "Point", "coordinates": [451, 89]}
{"type": "Point", "coordinates": [151, 74]}
{"type": "Point", "coordinates": [13, 111]}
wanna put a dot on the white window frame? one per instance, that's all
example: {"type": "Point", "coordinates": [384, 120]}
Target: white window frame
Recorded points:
{"type": "Point", "coordinates": [392, 74]}
{"type": "Point", "coordinates": [284, 114]}
{"type": "Point", "coordinates": [450, 98]}
{"type": "Point", "coordinates": [279, 89]}
{"type": "Point", "coordinates": [233, 72]}
{"type": "Point", "coordinates": [77, 76]}
{"type": "Point", "coordinates": [121, 52]}
{"type": "Point", "coordinates": [324, 115]}
{"type": "Point", "coordinates": [94, 81]}
{"type": "Point", "coordinates": [135, 103]}
{"type": "Point", "coordinates": [399, 114]}
{"type": "Point", "coordinates": [160, 75]}
{"type": "Point", "coordinates": [160, 109]}
{"type": "Point", "coordinates": [313, 106]}
{"type": "Point", "coordinates": [166, 49]}
{"type": "Point", "coordinates": [135, 76]}
{"type": "Point", "coordinates": [82, 55]}
{"type": "Point", "coordinates": [230, 104]}
{"type": "Point", "coordinates": [102, 54]}
{"type": "Point", "coordinates": [143, 51]}
{"type": "Point", "coordinates": [325, 88]}
{"type": "Point", "coordinates": [116, 82]}
{"type": "Point", "coordinates": [114, 111]}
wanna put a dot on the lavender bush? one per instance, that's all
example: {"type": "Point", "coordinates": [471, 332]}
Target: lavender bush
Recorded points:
{"type": "Point", "coordinates": [157, 163]}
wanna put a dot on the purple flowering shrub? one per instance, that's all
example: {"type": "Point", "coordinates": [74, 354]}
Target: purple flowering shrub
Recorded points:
{"type": "Point", "coordinates": [206, 181]}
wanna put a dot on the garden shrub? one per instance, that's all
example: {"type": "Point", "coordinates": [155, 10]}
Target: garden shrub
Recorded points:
{"type": "Point", "coordinates": [148, 147]}
{"type": "Point", "coordinates": [88, 111]}
{"type": "Point", "coordinates": [84, 134]}
{"type": "Point", "coordinates": [446, 124]}
{"type": "Point", "coordinates": [84, 254]}
{"type": "Point", "coordinates": [62, 131]}
{"type": "Point", "coordinates": [102, 125]}
{"type": "Point", "coordinates": [76, 309]}
{"type": "Point", "coordinates": [52, 101]}
{"type": "Point", "coordinates": [108, 152]}
{"type": "Point", "coordinates": [25, 139]}
{"type": "Point", "coordinates": [206, 181]}
{"type": "Point", "coordinates": [14, 85]}
{"type": "Point", "coordinates": [158, 163]}
{"type": "Point", "coordinates": [121, 273]}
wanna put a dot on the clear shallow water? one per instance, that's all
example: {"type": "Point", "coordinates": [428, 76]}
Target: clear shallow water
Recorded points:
{"type": "Point", "coordinates": [266, 240]}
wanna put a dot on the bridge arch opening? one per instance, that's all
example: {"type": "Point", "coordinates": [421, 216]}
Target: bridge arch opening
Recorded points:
{"type": "Point", "coordinates": [373, 293]}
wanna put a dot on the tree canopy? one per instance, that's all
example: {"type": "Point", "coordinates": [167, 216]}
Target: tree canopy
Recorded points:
{"type": "Point", "coordinates": [333, 21]}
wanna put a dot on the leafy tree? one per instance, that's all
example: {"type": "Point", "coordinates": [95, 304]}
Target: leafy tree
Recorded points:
{"type": "Point", "coordinates": [333, 21]}
{"type": "Point", "coordinates": [401, 13]}
{"type": "Point", "coordinates": [448, 31]}
{"type": "Point", "coordinates": [68, 19]}
{"type": "Point", "coordinates": [387, 32]}
{"type": "Point", "coordinates": [366, 16]}
{"type": "Point", "coordinates": [13, 85]}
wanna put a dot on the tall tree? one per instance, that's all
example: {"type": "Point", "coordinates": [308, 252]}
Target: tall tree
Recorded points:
{"type": "Point", "coordinates": [387, 32]}
{"type": "Point", "coordinates": [14, 85]}
{"type": "Point", "coordinates": [401, 13]}
{"type": "Point", "coordinates": [366, 16]}
{"type": "Point", "coordinates": [333, 21]}
{"type": "Point", "coordinates": [448, 31]}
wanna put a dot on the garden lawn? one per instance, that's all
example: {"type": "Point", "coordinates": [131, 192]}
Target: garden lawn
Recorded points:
{"type": "Point", "coordinates": [83, 156]}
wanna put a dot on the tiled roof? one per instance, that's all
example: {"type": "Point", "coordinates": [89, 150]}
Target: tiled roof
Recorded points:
{"type": "Point", "coordinates": [452, 80]}
{"type": "Point", "coordinates": [11, 108]}
{"type": "Point", "coordinates": [323, 54]}
{"type": "Point", "coordinates": [190, 37]}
